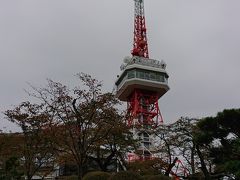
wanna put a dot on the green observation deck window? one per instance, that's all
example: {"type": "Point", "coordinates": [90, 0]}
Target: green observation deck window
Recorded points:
{"type": "Point", "coordinates": [148, 75]}
{"type": "Point", "coordinates": [131, 74]}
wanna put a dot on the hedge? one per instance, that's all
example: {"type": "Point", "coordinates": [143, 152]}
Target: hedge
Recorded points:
{"type": "Point", "coordinates": [96, 175]}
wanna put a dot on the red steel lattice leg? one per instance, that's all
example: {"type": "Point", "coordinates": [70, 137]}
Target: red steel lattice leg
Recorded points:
{"type": "Point", "coordinates": [143, 107]}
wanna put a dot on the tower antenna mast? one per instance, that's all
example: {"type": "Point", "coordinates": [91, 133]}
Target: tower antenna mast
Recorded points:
{"type": "Point", "coordinates": [140, 45]}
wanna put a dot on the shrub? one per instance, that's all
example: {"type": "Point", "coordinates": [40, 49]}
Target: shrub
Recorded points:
{"type": "Point", "coordinates": [147, 167]}
{"type": "Point", "coordinates": [73, 177]}
{"type": "Point", "coordinates": [158, 177]}
{"type": "Point", "coordinates": [147, 177]}
{"type": "Point", "coordinates": [196, 176]}
{"type": "Point", "coordinates": [96, 175]}
{"type": "Point", "coordinates": [126, 175]}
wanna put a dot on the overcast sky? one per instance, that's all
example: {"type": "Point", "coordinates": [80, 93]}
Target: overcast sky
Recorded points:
{"type": "Point", "coordinates": [198, 39]}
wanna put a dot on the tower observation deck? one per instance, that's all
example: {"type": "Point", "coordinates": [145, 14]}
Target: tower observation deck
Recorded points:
{"type": "Point", "coordinates": [142, 73]}
{"type": "Point", "coordinates": [141, 83]}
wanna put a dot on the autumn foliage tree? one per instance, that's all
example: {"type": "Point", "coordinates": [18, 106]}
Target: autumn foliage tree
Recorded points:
{"type": "Point", "coordinates": [114, 147]}
{"type": "Point", "coordinates": [84, 122]}
{"type": "Point", "coordinates": [10, 154]}
{"type": "Point", "coordinates": [34, 145]}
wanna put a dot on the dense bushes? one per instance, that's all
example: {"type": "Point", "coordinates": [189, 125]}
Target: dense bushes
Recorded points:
{"type": "Point", "coordinates": [97, 175]}
{"type": "Point", "coordinates": [123, 175]}
{"type": "Point", "coordinates": [73, 177]}
{"type": "Point", "coordinates": [158, 177]}
{"type": "Point", "coordinates": [146, 177]}
{"type": "Point", "coordinates": [126, 175]}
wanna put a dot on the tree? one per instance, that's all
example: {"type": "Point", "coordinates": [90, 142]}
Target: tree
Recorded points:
{"type": "Point", "coordinates": [84, 120]}
{"type": "Point", "coordinates": [34, 145]}
{"type": "Point", "coordinates": [177, 142]}
{"type": "Point", "coordinates": [167, 148]}
{"type": "Point", "coordinates": [221, 134]}
{"type": "Point", "coordinates": [148, 167]}
{"type": "Point", "coordinates": [10, 143]}
{"type": "Point", "coordinates": [113, 148]}
{"type": "Point", "coordinates": [11, 169]}
{"type": "Point", "coordinates": [183, 139]}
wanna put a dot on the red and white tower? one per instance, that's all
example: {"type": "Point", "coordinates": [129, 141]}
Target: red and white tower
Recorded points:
{"type": "Point", "coordinates": [141, 83]}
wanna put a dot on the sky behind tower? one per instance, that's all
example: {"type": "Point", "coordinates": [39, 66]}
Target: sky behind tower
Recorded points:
{"type": "Point", "coordinates": [199, 40]}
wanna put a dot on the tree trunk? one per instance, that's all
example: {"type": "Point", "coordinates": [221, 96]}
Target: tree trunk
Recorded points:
{"type": "Point", "coordinates": [192, 159]}
{"type": "Point", "coordinates": [29, 177]}
{"type": "Point", "coordinates": [80, 171]}
{"type": "Point", "coordinates": [171, 166]}
{"type": "Point", "coordinates": [203, 165]}
{"type": "Point", "coordinates": [108, 160]}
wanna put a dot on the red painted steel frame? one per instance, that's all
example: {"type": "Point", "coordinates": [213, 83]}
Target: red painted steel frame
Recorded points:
{"type": "Point", "coordinates": [143, 106]}
{"type": "Point", "coordinates": [140, 45]}
{"type": "Point", "coordinates": [180, 168]}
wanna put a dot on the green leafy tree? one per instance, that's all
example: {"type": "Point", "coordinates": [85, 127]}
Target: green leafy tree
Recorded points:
{"type": "Point", "coordinates": [221, 134]}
